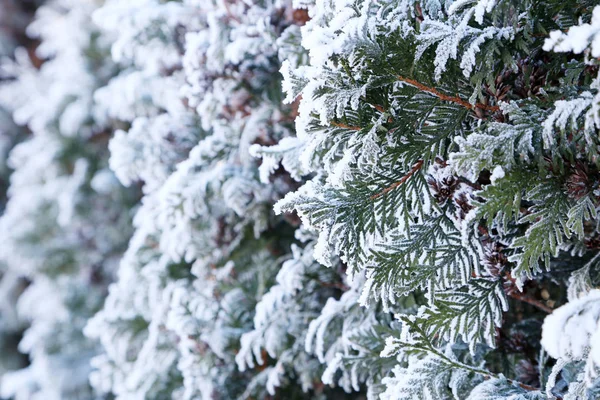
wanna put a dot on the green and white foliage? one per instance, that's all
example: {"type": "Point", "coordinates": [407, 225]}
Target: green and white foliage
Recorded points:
{"type": "Point", "coordinates": [281, 322]}
{"type": "Point", "coordinates": [67, 218]}
{"type": "Point", "coordinates": [571, 332]}
{"type": "Point", "coordinates": [14, 17]}
{"type": "Point", "coordinates": [199, 293]}
{"type": "Point", "coordinates": [452, 156]}
{"type": "Point", "coordinates": [395, 199]}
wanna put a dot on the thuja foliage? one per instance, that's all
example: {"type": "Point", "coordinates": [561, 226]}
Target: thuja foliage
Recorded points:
{"type": "Point", "coordinates": [66, 221]}
{"type": "Point", "coordinates": [395, 199]}
{"type": "Point", "coordinates": [14, 17]}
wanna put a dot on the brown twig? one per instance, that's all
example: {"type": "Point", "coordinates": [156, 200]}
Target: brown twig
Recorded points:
{"type": "Point", "coordinates": [340, 125]}
{"type": "Point", "coordinates": [513, 292]}
{"type": "Point", "coordinates": [526, 299]}
{"type": "Point", "coordinates": [406, 177]}
{"type": "Point", "coordinates": [452, 99]}
{"type": "Point", "coordinates": [230, 14]}
{"type": "Point", "coordinates": [444, 97]}
{"type": "Point", "coordinates": [419, 12]}
{"type": "Point", "coordinates": [335, 285]}
{"type": "Point", "coordinates": [379, 108]}
{"type": "Point", "coordinates": [523, 385]}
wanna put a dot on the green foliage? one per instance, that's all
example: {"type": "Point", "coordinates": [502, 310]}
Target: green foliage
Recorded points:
{"type": "Point", "coordinates": [455, 160]}
{"type": "Point", "coordinates": [471, 312]}
{"type": "Point", "coordinates": [437, 163]}
{"type": "Point", "coordinates": [430, 257]}
{"type": "Point", "coordinates": [546, 232]}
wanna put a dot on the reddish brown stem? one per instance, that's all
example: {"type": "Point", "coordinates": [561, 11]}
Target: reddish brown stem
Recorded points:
{"type": "Point", "coordinates": [523, 385]}
{"type": "Point", "coordinates": [444, 97]}
{"type": "Point", "coordinates": [526, 299]}
{"type": "Point", "coordinates": [406, 177]}
{"type": "Point", "coordinates": [336, 285]}
{"type": "Point", "coordinates": [379, 108]}
{"type": "Point", "coordinates": [419, 12]}
{"type": "Point", "coordinates": [340, 125]}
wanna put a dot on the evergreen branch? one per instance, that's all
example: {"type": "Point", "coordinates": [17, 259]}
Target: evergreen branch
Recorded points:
{"type": "Point", "coordinates": [419, 340]}
{"type": "Point", "coordinates": [472, 312]}
{"type": "Point", "coordinates": [430, 256]}
{"type": "Point", "coordinates": [546, 233]}
{"type": "Point", "coordinates": [406, 177]}
{"type": "Point", "coordinates": [444, 97]}
{"type": "Point", "coordinates": [486, 374]}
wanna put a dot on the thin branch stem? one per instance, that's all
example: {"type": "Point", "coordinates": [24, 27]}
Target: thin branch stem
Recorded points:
{"type": "Point", "coordinates": [444, 97]}
{"type": "Point", "coordinates": [344, 126]}
{"type": "Point", "coordinates": [526, 299]}
{"type": "Point", "coordinates": [430, 348]}
{"type": "Point", "coordinates": [379, 108]}
{"type": "Point", "coordinates": [484, 373]}
{"type": "Point", "coordinates": [406, 177]}
{"type": "Point", "coordinates": [419, 12]}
